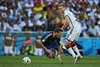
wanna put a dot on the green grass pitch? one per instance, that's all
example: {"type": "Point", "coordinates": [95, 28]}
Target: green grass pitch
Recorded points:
{"type": "Point", "coordinates": [43, 61]}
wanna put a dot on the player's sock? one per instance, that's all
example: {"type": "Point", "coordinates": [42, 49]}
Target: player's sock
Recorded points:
{"type": "Point", "coordinates": [76, 49]}
{"type": "Point", "coordinates": [70, 50]}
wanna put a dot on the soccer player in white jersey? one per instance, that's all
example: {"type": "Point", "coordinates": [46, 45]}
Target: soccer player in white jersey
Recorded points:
{"type": "Point", "coordinates": [73, 32]}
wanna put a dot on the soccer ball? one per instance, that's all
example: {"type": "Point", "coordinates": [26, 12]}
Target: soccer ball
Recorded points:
{"type": "Point", "coordinates": [26, 60]}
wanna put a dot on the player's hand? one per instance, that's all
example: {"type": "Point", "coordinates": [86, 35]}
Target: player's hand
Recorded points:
{"type": "Point", "coordinates": [50, 52]}
{"type": "Point", "coordinates": [59, 58]}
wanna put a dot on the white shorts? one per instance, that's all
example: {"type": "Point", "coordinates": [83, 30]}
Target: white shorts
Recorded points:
{"type": "Point", "coordinates": [38, 51]}
{"type": "Point", "coordinates": [73, 34]}
{"type": "Point", "coordinates": [8, 50]}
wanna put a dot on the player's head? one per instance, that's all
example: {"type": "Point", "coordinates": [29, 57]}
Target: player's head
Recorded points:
{"type": "Point", "coordinates": [40, 31]}
{"type": "Point", "coordinates": [62, 7]}
{"type": "Point", "coordinates": [8, 30]}
{"type": "Point", "coordinates": [58, 32]}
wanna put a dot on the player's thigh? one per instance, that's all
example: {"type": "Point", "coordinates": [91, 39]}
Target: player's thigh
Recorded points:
{"type": "Point", "coordinates": [36, 51]}
{"type": "Point", "coordinates": [10, 50]}
{"type": "Point", "coordinates": [40, 51]}
{"type": "Point", "coordinates": [77, 36]}
{"type": "Point", "coordinates": [73, 35]}
{"type": "Point", "coordinates": [6, 49]}
{"type": "Point", "coordinates": [77, 33]}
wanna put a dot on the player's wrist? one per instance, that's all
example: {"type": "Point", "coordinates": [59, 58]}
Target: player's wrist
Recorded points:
{"type": "Point", "coordinates": [46, 49]}
{"type": "Point", "coordinates": [58, 55]}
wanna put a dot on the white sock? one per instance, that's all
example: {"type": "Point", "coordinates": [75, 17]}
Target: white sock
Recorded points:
{"type": "Point", "coordinates": [76, 50]}
{"type": "Point", "coordinates": [71, 52]}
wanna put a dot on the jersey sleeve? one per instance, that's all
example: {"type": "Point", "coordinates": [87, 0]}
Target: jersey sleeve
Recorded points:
{"type": "Point", "coordinates": [45, 38]}
{"type": "Point", "coordinates": [65, 13]}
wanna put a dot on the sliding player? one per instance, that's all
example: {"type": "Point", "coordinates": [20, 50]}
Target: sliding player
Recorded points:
{"type": "Point", "coordinates": [51, 41]}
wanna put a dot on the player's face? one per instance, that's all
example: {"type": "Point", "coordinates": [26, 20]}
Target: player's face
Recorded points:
{"type": "Point", "coordinates": [61, 8]}
{"type": "Point", "coordinates": [8, 30]}
{"type": "Point", "coordinates": [58, 35]}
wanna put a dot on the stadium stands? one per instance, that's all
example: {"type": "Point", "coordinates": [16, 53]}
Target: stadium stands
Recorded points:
{"type": "Point", "coordinates": [25, 15]}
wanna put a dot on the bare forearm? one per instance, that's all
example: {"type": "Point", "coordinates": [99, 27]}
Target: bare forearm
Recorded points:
{"type": "Point", "coordinates": [64, 26]}
{"type": "Point", "coordinates": [66, 23]}
{"type": "Point", "coordinates": [60, 50]}
{"type": "Point", "coordinates": [40, 43]}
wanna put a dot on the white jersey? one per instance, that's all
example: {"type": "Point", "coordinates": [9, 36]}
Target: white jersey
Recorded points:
{"type": "Point", "coordinates": [72, 19]}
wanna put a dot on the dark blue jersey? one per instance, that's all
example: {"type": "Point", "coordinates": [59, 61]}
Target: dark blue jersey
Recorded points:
{"type": "Point", "coordinates": [49, 39]}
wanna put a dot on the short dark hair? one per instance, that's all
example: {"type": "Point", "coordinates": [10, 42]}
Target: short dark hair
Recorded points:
{"type": "Point", "coordinates": [58, 29]}
{"type": "Point", "coordinates": [62, 4]}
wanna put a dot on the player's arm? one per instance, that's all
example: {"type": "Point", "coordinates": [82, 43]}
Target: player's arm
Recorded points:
{"type": "Point", "coordinates": [66, 22]}
{"type": "Point", "coordinates": [47, 50]}
{"type": "Point", "coordinates": [41, 44]}
{"type": "Point", "coordinates": [44, 39]}
{"type": "Point", "coordinates": [60, 51]}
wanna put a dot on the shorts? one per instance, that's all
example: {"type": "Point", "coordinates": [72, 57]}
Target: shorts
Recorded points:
{"type": "Point", "coordinates": [8, 50]}
{"type": "Point", "coordinates": [73, 34]}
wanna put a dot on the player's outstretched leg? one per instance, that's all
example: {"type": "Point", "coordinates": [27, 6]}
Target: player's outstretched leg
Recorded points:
{"type": "Point", "coordinates": [75, 58]}
{"type": "Point", "coordinates": [76, 50]}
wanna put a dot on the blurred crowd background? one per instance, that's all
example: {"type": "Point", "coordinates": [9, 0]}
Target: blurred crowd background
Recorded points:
{"type": "Point", "coordinates": [30, 15]}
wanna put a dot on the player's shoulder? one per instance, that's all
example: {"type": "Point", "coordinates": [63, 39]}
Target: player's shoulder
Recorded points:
{"type": "Point", "coordinates": [46, 36]}
{"type": "Point", "coordinates": [49, 34]}
{"type": "Point", "coordinates": [66, 12]}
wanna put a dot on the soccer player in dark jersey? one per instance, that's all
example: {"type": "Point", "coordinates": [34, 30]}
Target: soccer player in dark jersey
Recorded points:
{"type": "Point", "coordinates": [51, 41]}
